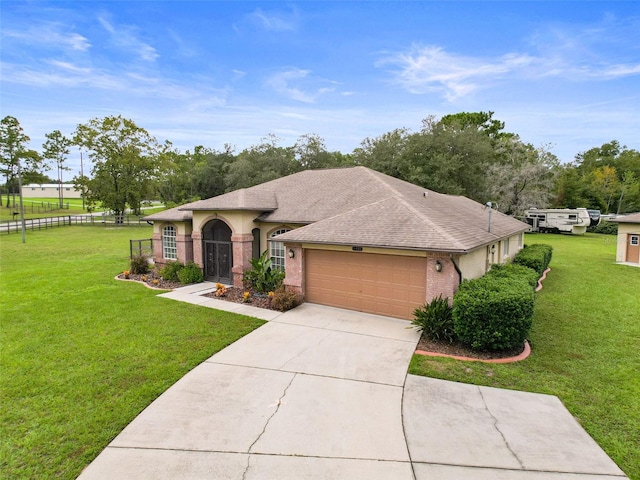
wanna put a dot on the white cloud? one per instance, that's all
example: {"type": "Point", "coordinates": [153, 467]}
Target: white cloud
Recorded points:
{"type": "Point", "coordinates": [125, 38]}
{"type": "Point", "coordinates": [274, 22]}
{"type": "Point", "coordinates": [617, 71]}
{"type": "Point", "coordinates": [238, 74]}
{"type": "Point", "coordinates": [50, 35]}
{"type": "Point", "coordinates": [432, 69]}
{"type": "Point", "coordinates": [293, 82]}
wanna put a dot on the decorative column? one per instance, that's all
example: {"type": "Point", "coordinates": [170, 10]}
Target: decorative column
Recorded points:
{"type": "Point", "coordinates": [184, 244]}
{"type": "Point", "coordinates": [157, 248]}
{"type": "Point", "coordinates": [196, 239]}
{"type": "Point", "coordinates": [242, 252]}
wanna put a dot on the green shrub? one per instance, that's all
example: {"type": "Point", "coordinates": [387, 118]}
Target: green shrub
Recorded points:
{"type": "Point", "coordinates": [262, 276]}
{"type": "Point", "coordinates": [435, 320]}
{"type": "Point", "coordinates": [493, 313]}
{"type": "Point", "coordinates": [510, 270]}
{"type": "Point", "coordinates": [190, 273]}
{"type": "Point", "coordinates": [170, 271]}
{"type": "Point", "coordinates": [536, 257]}
{"type": "Point", "coordinates": [284, 299]}
{"type": "Point", "coordinates": [607, 228]}
{"type": "Point", "coordinates": [139, 265]}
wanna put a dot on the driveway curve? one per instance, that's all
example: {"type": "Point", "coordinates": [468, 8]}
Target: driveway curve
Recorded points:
{"type": "Point", "coordinates": [322, 393]}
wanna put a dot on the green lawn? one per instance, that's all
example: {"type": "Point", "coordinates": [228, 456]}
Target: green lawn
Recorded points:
{"type": "Point", "coordinates": [81, 353]}
{"type": "Point", "coordinates": [41, 207]}
{"type": "Point", "coordinates": [37, 208]}
{"type": "Point", "coordinates": [585, 345]}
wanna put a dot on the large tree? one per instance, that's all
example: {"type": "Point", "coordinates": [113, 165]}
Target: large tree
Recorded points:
{"type": "Point", "coordinates": [56, 149]}
{"type": "Point", "coordinates": [450, 159]}
{"type": "Point", "coordinates": [481, 121]}
{"type": "Point", "coordinates": [605, 177]}
{"type": "Point", "coordinates": [311, 153]}
{"type": "Point", "coordinates": [13, 150]}
{"type": "Point", "coordinates": [125, 163]}
{"type": "Point", "coordinates": [261, 163]}
{"type": "Point", "coordinates": [523, 177]}
{"type": "Point", "coordinates": [386, 153]}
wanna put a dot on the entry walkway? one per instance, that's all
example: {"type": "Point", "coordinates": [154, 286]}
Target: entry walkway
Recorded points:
{"type": "Point", "coordinates": [322, 393]}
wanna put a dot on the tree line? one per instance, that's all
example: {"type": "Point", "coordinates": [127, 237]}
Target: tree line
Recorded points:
{"type": "Point", "coordinates": [467, 153]}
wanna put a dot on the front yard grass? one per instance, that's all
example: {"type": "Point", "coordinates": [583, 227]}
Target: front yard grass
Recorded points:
{"type": "Point", "coordinates": [81, 353]}
{"type": "Point", "coordinates": [31, 209]}
{"type": "Point", "coordinates": [585, 344]}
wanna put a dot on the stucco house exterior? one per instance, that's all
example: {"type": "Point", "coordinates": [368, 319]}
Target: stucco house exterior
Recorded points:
{"type": "Point", "coordinates": [347, 237]}
{"type": "Point", "coordinates": [628, 248]}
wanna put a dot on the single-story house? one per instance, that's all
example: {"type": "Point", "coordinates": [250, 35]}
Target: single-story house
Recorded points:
{"type": "Point", "coordinates": [628, 249]}
{"type": "Point", "coordinates": [50, 190]}
{"type": "Point", "coordinates": [346, 237]}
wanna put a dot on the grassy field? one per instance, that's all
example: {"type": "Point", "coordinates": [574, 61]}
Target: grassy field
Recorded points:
{"type": "Point", "coordinates": [42, 207]}
{"type": "Point", "coordinates": [37, 208]}
{"type": "Point", "coordinates": [81, 353]}
{"type": "Point", "coordinates": [585, 345]}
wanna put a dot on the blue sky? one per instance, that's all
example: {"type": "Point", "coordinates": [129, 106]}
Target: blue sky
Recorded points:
{"type": "Point", "coordinates": [565, 74]}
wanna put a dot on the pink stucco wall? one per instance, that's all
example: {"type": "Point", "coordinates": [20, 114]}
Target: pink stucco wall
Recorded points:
{"type": "Point", "coordinates": [294, 281]}
{"type": "Point", "coordinates": [445, 282]}
{"type": "Point", "coordinates": [242, 251]}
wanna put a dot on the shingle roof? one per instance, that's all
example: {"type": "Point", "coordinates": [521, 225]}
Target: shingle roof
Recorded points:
{"type": "Point", "coordinates": [254, 198]}
{"type": "Point", "coordinates": [170, 215]}
{"type": "Point", "coordinates": [631, 218]}
{"type": "Point", "coordinates": [410, 217]}
{"type": "Point", "coordinates": [359, 206]}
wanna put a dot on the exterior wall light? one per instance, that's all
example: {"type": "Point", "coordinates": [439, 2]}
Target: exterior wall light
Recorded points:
{"type": "Point", "coordinates": [438, 266]}
{"type": "Point", "coordinates": [291, 253]}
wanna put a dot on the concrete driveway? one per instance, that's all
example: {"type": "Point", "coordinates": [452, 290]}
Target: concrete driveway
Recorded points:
{"type": "Point", "coordinates": [322, 393]}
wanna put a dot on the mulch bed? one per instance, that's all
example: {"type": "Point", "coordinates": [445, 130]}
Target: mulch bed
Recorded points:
{"type": "Point", "coordinates": [236, 295]}
{"type": "Point", "coordinates": [459, 350]}
{"type": "Point", "coordinates": [152, 280]}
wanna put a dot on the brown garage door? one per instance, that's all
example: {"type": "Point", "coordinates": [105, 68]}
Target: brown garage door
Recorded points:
{"type": "Point", "coordinates": [383, 284]}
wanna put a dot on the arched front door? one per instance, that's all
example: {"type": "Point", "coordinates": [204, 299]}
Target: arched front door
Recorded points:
{"type": "Point", "coordinates": [217, 250]}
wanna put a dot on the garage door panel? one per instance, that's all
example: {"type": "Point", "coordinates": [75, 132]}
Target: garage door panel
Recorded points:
{"type": "Point", "coordinates": [382, 284]}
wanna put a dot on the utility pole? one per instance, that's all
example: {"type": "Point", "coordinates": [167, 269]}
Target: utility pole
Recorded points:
{"type": "Point", "coordinates": [82, 176]}
{"type": "Point", "coordinates": [24, 225]}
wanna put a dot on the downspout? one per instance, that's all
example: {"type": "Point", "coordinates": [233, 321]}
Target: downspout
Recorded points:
{"type": "Point", "coordinates": [455, 265]}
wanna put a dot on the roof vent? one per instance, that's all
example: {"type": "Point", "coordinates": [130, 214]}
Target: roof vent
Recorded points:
{"type": "Point", "coordinates": [424, 194]}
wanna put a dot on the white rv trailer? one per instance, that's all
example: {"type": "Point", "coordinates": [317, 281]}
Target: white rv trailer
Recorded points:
{"type": "Point", "coordinates": [556, 220]}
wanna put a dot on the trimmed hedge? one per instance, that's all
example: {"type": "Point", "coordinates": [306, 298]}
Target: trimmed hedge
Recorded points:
{"type": "Point", "coordinates": [493, 312]}
{"type": "Point", "coordinates": [190, 273]}
{"type": "Point", "coordinates": [536, 257]}
{"type": "Point", "coordinates": [171, 270]}
{"type": "Point", "coordinates": [509, 270]}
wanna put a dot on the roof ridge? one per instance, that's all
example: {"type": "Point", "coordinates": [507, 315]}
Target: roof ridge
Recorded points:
{"type": "Point", "coordinates": [427, 220]}
{"type": "Point", "coordinates": [400, 197]}
{"type": "Point", "coordinates": [376, 175]}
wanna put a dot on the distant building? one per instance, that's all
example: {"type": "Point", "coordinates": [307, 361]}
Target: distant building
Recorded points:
{"type": "Point", "coordinates": [628, 248]}
{"type": "Point", "coordinates": [49, 190]}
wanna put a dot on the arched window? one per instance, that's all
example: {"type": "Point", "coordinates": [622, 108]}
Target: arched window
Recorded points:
{"type": "Point", "coordinates": [276, 250]}
{"type": "Point", "coordinates": [169, 248]}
